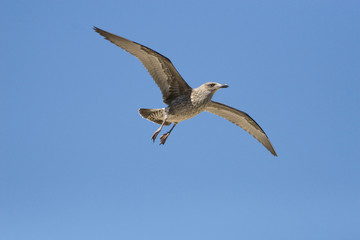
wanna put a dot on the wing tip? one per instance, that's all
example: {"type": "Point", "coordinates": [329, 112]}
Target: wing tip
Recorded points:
{"type": "Point", "coordinates": [270, 147]}
{"type": "Point", "coordinates": [267, 144]}
{"type": "Point", "coordinates": [274, 153]}
{"type": "Point", "coordinates": [98, 30]}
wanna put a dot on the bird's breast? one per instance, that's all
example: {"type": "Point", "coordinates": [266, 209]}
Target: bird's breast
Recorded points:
{"type": "Point", "coordinates": [184, 108]}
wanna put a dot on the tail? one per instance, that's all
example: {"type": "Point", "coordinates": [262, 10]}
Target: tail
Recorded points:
{"type": "Point", "coordinates": [154, 115]}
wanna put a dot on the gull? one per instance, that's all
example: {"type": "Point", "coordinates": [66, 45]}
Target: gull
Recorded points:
{"type": "Point", "coordinates": [183, 102]}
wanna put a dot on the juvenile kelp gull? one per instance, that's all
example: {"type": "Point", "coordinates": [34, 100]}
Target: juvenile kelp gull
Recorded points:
{"type": "Point", "coordinates": [183, 101]}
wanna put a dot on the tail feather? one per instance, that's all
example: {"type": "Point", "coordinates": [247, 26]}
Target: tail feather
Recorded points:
{"type": "Point", "coordinates": [154, 115]}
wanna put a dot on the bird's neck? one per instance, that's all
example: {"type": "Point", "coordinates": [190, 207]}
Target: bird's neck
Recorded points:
{"type": "Point", "coordinates": [201, 96]}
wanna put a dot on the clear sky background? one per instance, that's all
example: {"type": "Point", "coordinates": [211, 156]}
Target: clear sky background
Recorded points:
{"type": "Point", "coordinates": [77, 161]}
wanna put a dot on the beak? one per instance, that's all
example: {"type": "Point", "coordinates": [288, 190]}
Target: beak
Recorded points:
{"type": "Point", "coordinates": [224, 86]}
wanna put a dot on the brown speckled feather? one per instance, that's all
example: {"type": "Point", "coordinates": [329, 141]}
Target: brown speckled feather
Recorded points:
{"type": "Point", "coordinates": [243, 120]}
{"type": "Point", "coordinates": [160, 67]}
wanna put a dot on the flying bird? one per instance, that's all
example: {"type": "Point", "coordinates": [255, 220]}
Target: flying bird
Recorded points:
{"type": "Point", "coordinates": [183, 102]}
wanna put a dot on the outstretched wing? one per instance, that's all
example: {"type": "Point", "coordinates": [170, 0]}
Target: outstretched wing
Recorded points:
{"type": "Point", "coordinates": [160, 67]}
{"type": "Point", "coordinates": [243, 120]}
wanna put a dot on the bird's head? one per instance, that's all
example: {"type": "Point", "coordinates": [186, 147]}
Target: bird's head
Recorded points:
{"type": "Point", "coordinates": [207, 90]}
{"type": "Point", "coordinates": [213, 86]}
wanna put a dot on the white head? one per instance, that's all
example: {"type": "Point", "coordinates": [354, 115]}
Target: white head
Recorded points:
{"type": "Point", "coordinates": [213, 86]}
{"type": "Point", "coordinates": [207, 90]}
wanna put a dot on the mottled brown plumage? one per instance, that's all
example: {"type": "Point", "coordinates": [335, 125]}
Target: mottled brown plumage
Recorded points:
{"type": "Point", "coordinates": [183, 101]}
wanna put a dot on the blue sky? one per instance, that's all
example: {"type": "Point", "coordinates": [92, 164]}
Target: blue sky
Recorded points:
{"type": "Point", "coordinates": [76, 158]}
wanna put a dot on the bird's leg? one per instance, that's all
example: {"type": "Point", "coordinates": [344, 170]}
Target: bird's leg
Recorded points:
{"type": "Point", "coordinates": [165, 136]}
{"type": "Point", "coordinates": [157, 131]}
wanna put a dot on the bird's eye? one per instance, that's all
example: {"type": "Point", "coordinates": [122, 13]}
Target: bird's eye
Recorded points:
{"type": "Point", "coordinates": [212, 84]}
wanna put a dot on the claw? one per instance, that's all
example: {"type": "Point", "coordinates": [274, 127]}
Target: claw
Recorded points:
{"type": "Point", "coordinates": [157, 131]}
{"type": "Point", "coordinates": [164, 137]}
{"type": "Point", "coordinates": [154, 135]}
